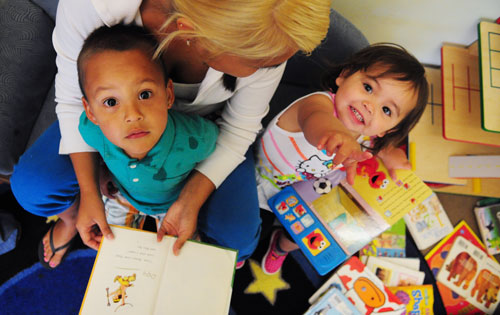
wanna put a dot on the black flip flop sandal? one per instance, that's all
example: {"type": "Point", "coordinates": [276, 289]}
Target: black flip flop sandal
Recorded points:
{"type": "Point", "coordinates": [54, 250]}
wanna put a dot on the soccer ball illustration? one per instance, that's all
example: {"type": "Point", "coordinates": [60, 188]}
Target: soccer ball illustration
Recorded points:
{"type": "Point", "coordinates": [322, 186]}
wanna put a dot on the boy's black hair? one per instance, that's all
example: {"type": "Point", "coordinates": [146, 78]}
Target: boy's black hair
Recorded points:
{"type": "Point", "coordinates": [118, 38]}
{"type": "Point", "coordinates": [397, 63]}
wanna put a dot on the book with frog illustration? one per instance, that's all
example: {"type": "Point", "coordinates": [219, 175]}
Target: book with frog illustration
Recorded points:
{"type": "Point", "coordinates": [134, 273]}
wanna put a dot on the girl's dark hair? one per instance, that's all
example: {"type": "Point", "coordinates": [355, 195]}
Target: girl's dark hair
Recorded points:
{"type": "Point", "coordinates": [118, 38]}
{"type": "Point", "coordinates": [398, 64]}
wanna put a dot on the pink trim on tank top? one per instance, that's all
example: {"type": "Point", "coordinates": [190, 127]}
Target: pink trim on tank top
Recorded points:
{"type": "Point", "coordinates": [332, 95]}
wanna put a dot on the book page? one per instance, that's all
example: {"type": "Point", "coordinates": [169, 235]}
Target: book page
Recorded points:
{"type": "Point", "coordinates": [391, 200]}
{"type": "Point", "coordinates": [126, 274]}
{"type": "Point", "coordinates": [198, 281]}
{"type": "Point", "coordinates": [428, 222]}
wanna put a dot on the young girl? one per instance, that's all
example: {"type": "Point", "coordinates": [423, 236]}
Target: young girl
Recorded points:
{"type": "Point", "coordinates": [380, 92]}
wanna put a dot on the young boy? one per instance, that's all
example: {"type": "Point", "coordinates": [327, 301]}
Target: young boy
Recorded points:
{"type": "Point", "coordinates": [148, 150]}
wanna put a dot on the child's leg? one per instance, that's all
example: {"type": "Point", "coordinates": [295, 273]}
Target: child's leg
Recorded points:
{"type": "Point", "coordinates": [120, 212]}
{"type": "Point", "coordinates": [44, 183]}
{"type": "Point", "coordinates": [286, 244]}
{"type": "Point", "coordinates": [279, 247]}
{"type": "Point", "coordinates": [231, 216]}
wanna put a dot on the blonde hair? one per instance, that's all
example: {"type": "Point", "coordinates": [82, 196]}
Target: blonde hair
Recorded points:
{"type": "Point", "coordinates": [254, 29]}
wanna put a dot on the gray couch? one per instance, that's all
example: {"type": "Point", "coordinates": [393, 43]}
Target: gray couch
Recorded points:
{"type": "Point", "coordinates": [27, 71]}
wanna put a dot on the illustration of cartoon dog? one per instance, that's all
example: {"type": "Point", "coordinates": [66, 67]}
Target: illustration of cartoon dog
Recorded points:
{"type": "Point", "coordinates": [465, 267]}
{"type": "Point", "coordinates": [121, 293]}
{"type": "Point", "coordinates": [487, 286]}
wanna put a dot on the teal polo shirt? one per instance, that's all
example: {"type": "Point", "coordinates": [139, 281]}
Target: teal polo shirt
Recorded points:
{"type": "Point", "coordinates": [153, 183]}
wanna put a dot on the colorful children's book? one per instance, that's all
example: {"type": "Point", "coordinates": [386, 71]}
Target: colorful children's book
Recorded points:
{"type": "Point", "coordinates": [330, 220]}
{"type": "Point", "coordinates": [332, 302]}
{"type": "Point", "coordinates": [394, 275]}
{"type": "Point", "coordinates": [488, 220]}
{"type": "Point", "coordinates": [365, 291]}
{"type": "Point", "coordinates": [428, 223]}
{"type": "Point", "coordinates": [454, 303]}
{"type": "Point", "coordinates": [472, 274]}
{"type": "Point", "coordinates": [390, 243]}
{"type": "Point", "coordinates": [419, 299]}
{"type": "Point", "coordinates": [409, 262]}
{"type": "Point", "coordinates": [136, 274]}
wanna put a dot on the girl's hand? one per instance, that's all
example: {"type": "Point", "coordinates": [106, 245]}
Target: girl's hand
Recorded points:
{"type": "Point", "coordinates": [394, 159]}
{"type": "Point", "coordinates": [347, 151]}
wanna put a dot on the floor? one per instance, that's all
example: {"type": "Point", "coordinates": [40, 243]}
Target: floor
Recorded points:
{"type": "Point", "coordinates": [294, 298]}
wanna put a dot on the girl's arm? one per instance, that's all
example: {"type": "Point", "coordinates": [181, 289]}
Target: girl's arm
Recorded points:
{"type": "Point", "coordinates": [315, 116]}
{"type": "Point", "coordinates": [393, 159]}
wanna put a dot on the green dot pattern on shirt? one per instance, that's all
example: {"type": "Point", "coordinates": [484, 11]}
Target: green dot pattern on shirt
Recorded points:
{"type": "Point", "coordinates": [193, 143]}
{"type": "Point", "coordinates": [161, 175]}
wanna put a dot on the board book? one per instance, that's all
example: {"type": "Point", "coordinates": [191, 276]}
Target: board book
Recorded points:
{"type": "Point", "coordinates": [390, 243]}
{"type": "Point", "coordinates": [454, 303]}
{"type": "Point", "coordinates": [419, 299]}
{"type": "Point", "coordinates": [393, 275]}
{"type": "Point", "coordinates": [489, 65]}
{"type": "Point", "coordinates": [365, 291]}
{"type": "Point", "coordinates": [330, 220]}
{"type": "Point", "coordinates": [428, 223]}
{"type": "Point", "coordinates": [135, 274]}
{"type": "Point", "coordinates": [488, 221]}
{"type": "Point", "coordinates": [409, 262]}
{"type": "Point", "coordinates": [332, 302]}
{"type": "Point", "coordinates": [469, 272]}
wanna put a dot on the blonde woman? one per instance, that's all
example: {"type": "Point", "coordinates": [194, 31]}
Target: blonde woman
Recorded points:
{"type": "Point", "coordinates": [226, 58]}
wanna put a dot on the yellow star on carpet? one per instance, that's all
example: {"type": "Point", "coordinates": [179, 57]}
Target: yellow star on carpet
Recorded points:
{"type": "Point", "coordinates": [267, 285]}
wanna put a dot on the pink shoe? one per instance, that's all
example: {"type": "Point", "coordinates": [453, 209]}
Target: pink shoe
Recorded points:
{"type": "Point", "coordinates": [240, 264]}
{"type": "Point", "coordinates": [272, 262]}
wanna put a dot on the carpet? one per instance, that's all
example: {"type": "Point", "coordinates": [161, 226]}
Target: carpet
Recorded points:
{"type": "Point", "coordinates": [37, 290]}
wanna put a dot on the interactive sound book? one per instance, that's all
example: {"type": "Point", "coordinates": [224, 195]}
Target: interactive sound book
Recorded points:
{"type": "Point", "coordinates": [330, 220]}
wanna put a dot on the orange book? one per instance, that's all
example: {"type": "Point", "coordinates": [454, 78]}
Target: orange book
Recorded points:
{"type": "Point", "coordinates": [454, 303]}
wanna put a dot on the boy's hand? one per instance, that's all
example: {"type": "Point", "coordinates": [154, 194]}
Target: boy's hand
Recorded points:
{"type": "Point", "coordinates": [347, 151]}
{"type": "Point", "coordinates": [91, 222]}
{"type": "Point", "coordinates": [394, 159]}
{"type": "Point", "coordinates": [182, 217]}
{"type": "Point", "coordinates": [180, 222]}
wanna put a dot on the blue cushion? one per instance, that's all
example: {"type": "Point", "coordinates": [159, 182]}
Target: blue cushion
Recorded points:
{"type": "Point", "coordinates": [49, 6]}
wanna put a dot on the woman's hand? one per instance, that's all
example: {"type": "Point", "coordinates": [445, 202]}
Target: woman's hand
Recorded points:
{"type": "Point", "coordinates": [182, 217]}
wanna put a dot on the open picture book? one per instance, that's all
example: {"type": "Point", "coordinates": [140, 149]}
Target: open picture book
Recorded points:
{"type": "Point", "coordinates": [330, 220]}
{"type": "Point", "coordinates": [135, 274]}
